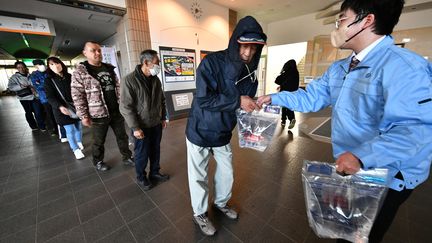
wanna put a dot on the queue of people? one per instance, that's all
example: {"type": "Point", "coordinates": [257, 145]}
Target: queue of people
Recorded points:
{"type": "Point", "coordinates": [381, 102]}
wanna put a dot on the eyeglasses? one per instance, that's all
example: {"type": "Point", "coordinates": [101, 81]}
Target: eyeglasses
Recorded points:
{"type": "Point", "coordinates": [359, 17]}
{"type": "Point", "coordinates": [339, 20]}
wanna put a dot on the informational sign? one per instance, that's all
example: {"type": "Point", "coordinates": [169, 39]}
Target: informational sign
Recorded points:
{"type": "Point", "coordinates": [35, 26]}
{"type": "Point", "coordinates": [308, 79]}
{"type": "Point", "coordinates": [109, 55]}
{"type": "Point", "coordinates": [182, 101]}
{"type": "Point", "coordinates": [178, 65]}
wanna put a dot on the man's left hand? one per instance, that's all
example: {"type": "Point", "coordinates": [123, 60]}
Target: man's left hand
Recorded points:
{"type": "Point", "coordinates": [348, 163]}
{"type": "Point", "coordinates": [164, 124]}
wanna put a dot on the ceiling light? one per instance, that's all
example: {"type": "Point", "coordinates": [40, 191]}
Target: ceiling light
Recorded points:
{"type": "Point", "coordinates": [406, 40]}
{"type": "Point", "coordinates": [426, 57]}
{"type": "Point", "coordinates": [25, 40]}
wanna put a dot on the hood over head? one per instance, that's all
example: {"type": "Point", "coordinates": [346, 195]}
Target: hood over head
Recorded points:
{"type": "Point", "coordinates": [248, 30]}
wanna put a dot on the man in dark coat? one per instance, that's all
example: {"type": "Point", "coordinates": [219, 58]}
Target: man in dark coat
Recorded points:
{"type": "Point", "coordinates": [226, 81]}
{"type": "Point", "coordinates": [142, 104]}
{"type": "Point", "coordinates": [288, 80]}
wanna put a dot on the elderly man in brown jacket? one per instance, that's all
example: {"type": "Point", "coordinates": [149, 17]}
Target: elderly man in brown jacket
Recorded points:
{"type": "Point", "coordinates": [142, 103]}
{"type": "Point", "coordinates": [95, 92]}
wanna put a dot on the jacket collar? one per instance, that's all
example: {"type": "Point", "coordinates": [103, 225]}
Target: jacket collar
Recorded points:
{"type": "Point", "coordinates": [371, 57]}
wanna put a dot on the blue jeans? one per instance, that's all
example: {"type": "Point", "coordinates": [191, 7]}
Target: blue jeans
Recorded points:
{"type": "Point", "coordinates": [33, 107]}
{"type": "Point", "coordinates": [148, 148]}
{"type": "Point", "coordinates": [73, 134]}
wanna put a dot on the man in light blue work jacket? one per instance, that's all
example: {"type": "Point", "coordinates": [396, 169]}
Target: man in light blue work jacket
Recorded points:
{"type": "Point", "coordinates": [381, 98]}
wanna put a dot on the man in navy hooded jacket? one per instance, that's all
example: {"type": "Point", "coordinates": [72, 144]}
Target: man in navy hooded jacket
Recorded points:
{"type": "Point", "coordinates": [226, 81]}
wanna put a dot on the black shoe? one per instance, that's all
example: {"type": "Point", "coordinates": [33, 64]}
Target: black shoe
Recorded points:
{"type": "Point", "coordinates": [159, 177]}
{"type": "Point", "coordinates": [144, 184]}
{"type": "Point", "coordinates": [101, 166]}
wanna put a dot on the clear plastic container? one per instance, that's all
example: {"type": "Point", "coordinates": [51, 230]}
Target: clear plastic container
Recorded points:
{"type": "Point", "coordinates": [256, 129]}
{"type": "Point", "coordinates": [342, 207]}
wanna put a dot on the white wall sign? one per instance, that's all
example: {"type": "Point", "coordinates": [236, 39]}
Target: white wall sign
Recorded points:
{"type": "Point", "coordinates": [109, 56]}
{"type": "Point", "coordinates": [27, 26]}
{"type": "Point", "coordinates": [308, 79]}
{"type": "Point", "coordinates": [182, 101]}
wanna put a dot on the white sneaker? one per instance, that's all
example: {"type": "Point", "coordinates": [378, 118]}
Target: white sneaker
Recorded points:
{"type": "Point", "coordinates": [228, 211]}
{"type": "Point", "coordinates": [81, 146]}
{"type": "Point", "coordinates": [63, 140]}
{"type": "Point", "coordinates": [204, 224]}
{"type": "Point", "coordinates": [79, 154]}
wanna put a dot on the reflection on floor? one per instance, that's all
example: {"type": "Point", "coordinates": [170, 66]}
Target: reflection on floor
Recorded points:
{"type": "Point", "coordinates": [48, 196]}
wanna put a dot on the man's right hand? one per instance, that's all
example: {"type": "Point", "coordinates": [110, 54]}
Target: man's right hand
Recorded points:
{"type": "Point", "coordinates": [87, 122]}
{"type": "Point", "coordinates": [248, 104]}
{"type": "Point", "coordinates": [138, 134]}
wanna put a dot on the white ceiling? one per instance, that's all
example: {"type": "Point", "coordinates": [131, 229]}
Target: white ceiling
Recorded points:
{"type": "Point", "coordinates": [274, 10]}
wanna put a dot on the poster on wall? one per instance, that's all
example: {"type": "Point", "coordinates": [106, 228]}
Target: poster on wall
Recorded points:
{"type": "Point", "coordinates": [109, 56]}
{"type": "Point", "coordinates": [178, 65]}
{"type": "Point", "coordinates": [204, 53]}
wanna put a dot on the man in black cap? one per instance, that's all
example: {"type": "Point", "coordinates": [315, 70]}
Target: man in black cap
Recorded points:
{"type": "Point", "coordinates": [226, 80]}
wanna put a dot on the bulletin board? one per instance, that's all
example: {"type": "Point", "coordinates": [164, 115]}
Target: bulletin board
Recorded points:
{"type": "Point", "coordinates": [178, 64]}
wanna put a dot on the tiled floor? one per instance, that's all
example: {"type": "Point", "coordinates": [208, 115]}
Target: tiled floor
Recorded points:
{"type": "Point", "coordinates": [48, 196]}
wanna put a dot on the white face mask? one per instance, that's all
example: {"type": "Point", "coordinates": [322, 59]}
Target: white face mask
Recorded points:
{"type": "Point", "coordinates": [155, 70]}
{"type": "Point", "coordinates": [41, 68]}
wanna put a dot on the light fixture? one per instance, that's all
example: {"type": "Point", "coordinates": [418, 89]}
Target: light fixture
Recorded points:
{"type": "Point", "coordinates": [426, 57]}
{"type": "Point", "coordinates": [25, 40]}
{"type": "Point", "coordinates": [406, 40]}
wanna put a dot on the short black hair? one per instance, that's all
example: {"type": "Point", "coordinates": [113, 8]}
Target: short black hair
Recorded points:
{"type": "Point", "coordinates": [147, 55]}
{"type": "Point", "coordinates": [91, 41]}
{"type": "Point", "coordinates": [18, 63]}
{"type": "Point", "coordinates": [386, 12]}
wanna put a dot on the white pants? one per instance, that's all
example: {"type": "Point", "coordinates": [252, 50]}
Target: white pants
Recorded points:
{"type": "Point", "coordinates": [198, 158]}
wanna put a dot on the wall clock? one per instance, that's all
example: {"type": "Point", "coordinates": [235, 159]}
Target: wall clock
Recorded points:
{"type": "Point", "coordinates": [196, 10]}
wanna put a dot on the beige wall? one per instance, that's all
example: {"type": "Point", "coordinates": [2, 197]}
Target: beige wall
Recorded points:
{"type": "Point", "coordinates": [172, 24]}
{"type": "Point", "coordinates": [421, 40]}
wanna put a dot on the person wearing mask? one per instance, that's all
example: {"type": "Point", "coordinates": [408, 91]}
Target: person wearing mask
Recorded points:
{"type": "Point", "coordinates": [142, 104]}
{"type": "Point", "coordinates": [381, 99]}
{"type": "Point", "coordinates": [226, 80]}
{"type": "Point", "coordinates": [288, 80]}
{"type": "Point", "coordinates": [22, 86]}
{"type": "Point", "coordinates": [95, 92]}
{"type": "Point", "coordinates": [58, 91]}
{"type": "Point", "coordinates": [38, 78]}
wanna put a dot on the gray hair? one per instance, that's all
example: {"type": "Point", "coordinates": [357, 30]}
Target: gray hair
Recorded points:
{"type": "Point", "coordinates": [147, 55]}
